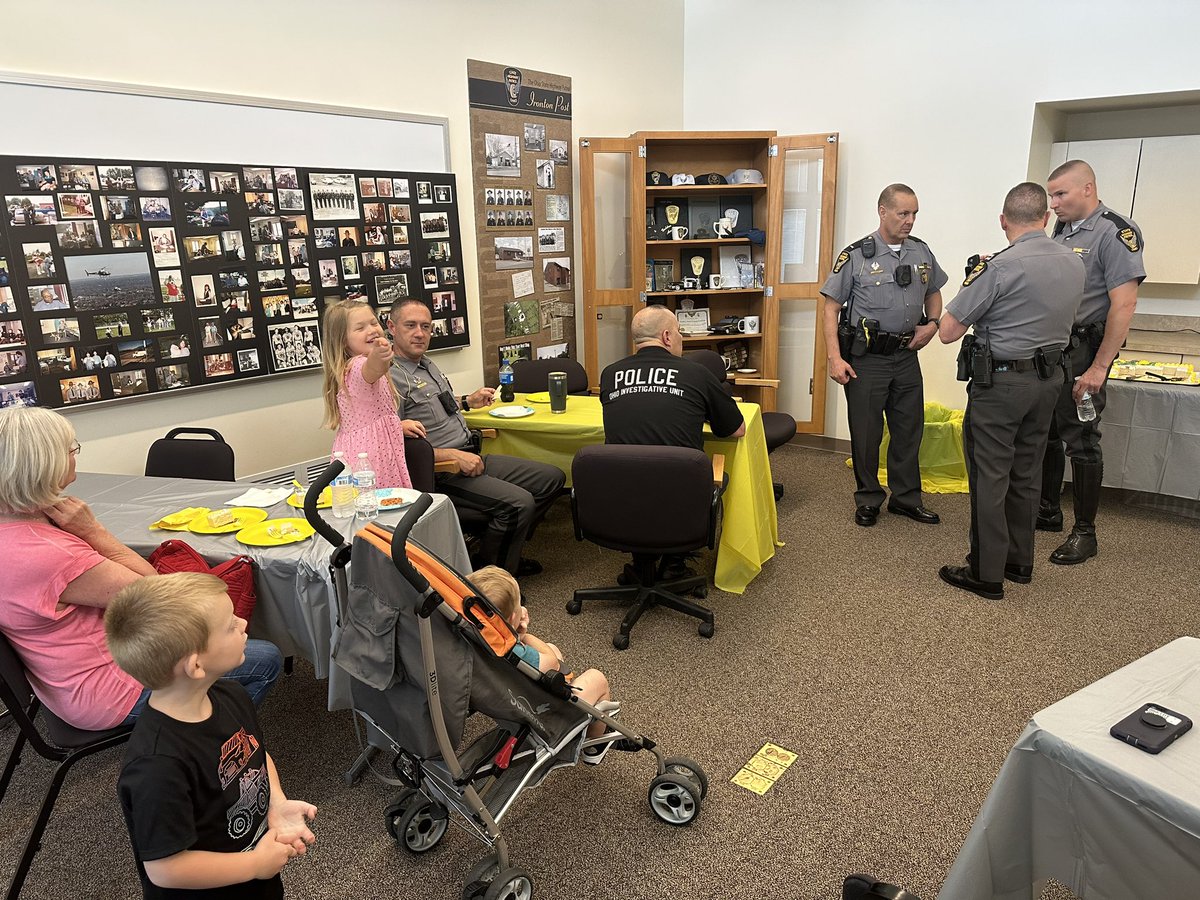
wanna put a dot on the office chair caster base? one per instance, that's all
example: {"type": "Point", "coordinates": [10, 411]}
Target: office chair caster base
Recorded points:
{"type": "Point", "coordinates": [574, 607]}
{"type": "Point", "coordinates": [706, 629]}
{"type": "Point", "coordinates": [701, 592]}
{"type": "Point", "coordinates": [674, 799]}
{"type": "Point", "coordinates": [777, 487]}
{"type": "Point", "coordinates": [621, 641]}
{"type": "Point", "coordinates": [688, 768]}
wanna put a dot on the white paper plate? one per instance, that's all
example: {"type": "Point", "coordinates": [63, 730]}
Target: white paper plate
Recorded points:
{"type": "Point", "coordinates": [511, 412]}
{"type": "Point", "coordinates": [389, 499]}
{"type": "Point", "coordinates": [747, 371]}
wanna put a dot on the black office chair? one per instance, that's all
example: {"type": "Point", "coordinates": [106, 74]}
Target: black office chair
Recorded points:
{"type": "Point", "coordinates": [66, 744]}
{"type": "Point", "coordinates": [418, 456]}
{"type": "Point", "coordinates": [173, 457]}
{"type": "Point", "coordinates": [778, 427]}
{"type": "Point", "coordinates": [532, 375]}
{"type": "Point", "coordinates": [651, 502]}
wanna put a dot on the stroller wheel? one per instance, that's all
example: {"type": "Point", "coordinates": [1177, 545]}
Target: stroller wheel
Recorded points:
{"type": "Point", "coordinates": [419, 826]}
{"type": "Point", "coordinates": [511, 884]}
{"type": "Point", "coordinates": [681, 765]}
{"type": "Point", "coordinates": [395, 810]}
{"type": "Point", "coordinates": [480, 878]}
{"type": "Point", "coordinates": [674, 798]}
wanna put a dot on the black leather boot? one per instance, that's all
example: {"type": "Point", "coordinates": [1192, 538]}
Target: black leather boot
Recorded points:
{"type": "Point", "coordinates": [1050, 517]}
{"type": "Point", "coordinates": [1080, 544]}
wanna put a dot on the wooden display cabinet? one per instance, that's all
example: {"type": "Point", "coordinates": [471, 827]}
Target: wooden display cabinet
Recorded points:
{"type": "Point", "coordinates": [624, 224]}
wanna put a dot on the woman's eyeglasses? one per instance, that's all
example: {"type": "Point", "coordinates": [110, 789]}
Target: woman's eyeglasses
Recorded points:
{"type": "Point", "coordinates": [75, 448]}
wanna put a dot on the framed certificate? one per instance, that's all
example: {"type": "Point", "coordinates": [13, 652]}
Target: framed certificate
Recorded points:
{"type": "Point", "coordinates": [692, 321]}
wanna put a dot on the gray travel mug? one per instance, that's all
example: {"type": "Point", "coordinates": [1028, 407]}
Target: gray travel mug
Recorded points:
{"type": "Point", "coordinates": [558, 392]}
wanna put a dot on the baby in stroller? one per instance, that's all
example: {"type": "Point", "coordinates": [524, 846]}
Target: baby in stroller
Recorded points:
{"type": "Point", "coordinates": [504, 592]}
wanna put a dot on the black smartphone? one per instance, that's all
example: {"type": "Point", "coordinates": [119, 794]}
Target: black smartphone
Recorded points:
{"type": "Point", "coordinates": [1152, 728]}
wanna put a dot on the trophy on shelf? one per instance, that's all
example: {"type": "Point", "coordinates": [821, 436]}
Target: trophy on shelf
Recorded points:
{"type": "Point", "coordinates": [697, 263]}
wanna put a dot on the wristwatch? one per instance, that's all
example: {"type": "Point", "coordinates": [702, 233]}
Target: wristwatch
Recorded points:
{"type": "Point", "coordinates": [925, 320]}
{"type": "Point", "coordinates": [466, 407]}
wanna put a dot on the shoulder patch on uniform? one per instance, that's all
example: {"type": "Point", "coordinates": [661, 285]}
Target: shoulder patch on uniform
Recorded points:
{"type": "Point", "coordinates": [844, 256]}
{"type": "Point", "coordinates": [1059, 227]}
{"type": "Point", "coordinates": [1125, 231]}
{"type": "Point", "coordinates": [978, 269]}
{"type": "Point", "coordinates": [913, 237]}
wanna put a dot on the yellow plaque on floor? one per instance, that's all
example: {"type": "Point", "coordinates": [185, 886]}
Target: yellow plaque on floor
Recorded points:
{"type": "Point", "coordinates": [777, 754]}
{"type": "Point", "coordinates": [753, 782]}
{"type": "Point", "coordinates": [765, 767]}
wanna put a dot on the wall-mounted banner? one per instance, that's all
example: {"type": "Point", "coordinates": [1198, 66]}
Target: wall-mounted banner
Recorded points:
{"type": "Point", "coordinates": [521, 159]}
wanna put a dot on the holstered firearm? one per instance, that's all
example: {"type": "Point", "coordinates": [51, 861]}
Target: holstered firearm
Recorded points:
{"type": "Point", "coordinates": [966, 353]}
{"type": "Point", "coordinates": [845, 334]}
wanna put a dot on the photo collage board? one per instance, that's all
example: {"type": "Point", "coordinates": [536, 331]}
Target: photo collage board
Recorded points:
{"type": "Point", "coordinates": [521, 161]}
{"type": "Point", "coordinates": [121, 278]}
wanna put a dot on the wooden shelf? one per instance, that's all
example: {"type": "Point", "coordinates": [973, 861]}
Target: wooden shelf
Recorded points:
{"type": "Point", "coordinates": [708, 338]}
{"type": "Point", "coordinates": [701, 293]}
{"type": "Point", "coordinates": [701, 242]}
{"type": "Point", "coordinates": [703, 188]}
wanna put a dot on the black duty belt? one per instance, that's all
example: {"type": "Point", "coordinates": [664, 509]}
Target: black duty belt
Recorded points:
{"type": "Point", "coordinates": [1013, 365]}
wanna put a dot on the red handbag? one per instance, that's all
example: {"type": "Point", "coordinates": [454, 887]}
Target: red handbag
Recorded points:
{"type": "Point", "coordinates": [238, 573]}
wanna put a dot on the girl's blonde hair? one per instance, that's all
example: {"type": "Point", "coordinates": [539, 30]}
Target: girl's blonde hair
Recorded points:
{"type": "Point", "coordinates": [336, 356]}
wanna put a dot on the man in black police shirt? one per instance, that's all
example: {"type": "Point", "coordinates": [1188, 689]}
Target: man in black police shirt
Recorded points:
{"type": "Point", "coordinates": [655, 397]}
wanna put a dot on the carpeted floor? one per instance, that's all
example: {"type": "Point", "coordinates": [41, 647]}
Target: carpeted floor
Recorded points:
{"type": "Point", "coordinates": [901, 696]}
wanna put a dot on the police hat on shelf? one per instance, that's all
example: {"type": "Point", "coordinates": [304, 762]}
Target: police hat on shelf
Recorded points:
{"type": "Point", "coordinates": [656, 178]}
{"type": "Point", "coordinates": [745, 176]}
{"type": "Point", "coordinates": [682, 178]}
{"type": "Point", "coordinates": [711, 178]}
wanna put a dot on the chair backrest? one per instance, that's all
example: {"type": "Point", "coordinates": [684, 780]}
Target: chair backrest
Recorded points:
{"type": "Point", "coordinates": [418, 456]}
{"type": "Point", "coordinates": [714, 362]}
{"type": "Point", "coordinates": [173, 457]}
{"type": "Point", "coordinates": [532, 375]}
{"type": "Point", "coordinates": [643, 499]}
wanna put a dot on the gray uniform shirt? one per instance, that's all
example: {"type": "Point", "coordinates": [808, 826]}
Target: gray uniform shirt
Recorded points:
{"type": "Point", "coordinates": [1111, 254]}
{"type": "Point", "coordinates": [419, 384]}
{"type": "Point", "coordinates": [871, 283]}
{"type": "Point", "coordinates": [1024, 297]}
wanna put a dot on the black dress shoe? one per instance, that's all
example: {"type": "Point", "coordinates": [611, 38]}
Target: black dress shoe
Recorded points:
{"type": "Point", "coordinates": [1049, 518]}
{"type": "Point", "coordinates": [526, 566]}
{"type": "Point", "coordinates": [961, 577]}
{"type": "Point", "coordinates": [1080, 546]}
{"type": "Point", "coordinates": [1019, 574]}
{"type": "Point", "coordinates": [916, 513]}
{"type": "Point", "coordinates": [866, 516]}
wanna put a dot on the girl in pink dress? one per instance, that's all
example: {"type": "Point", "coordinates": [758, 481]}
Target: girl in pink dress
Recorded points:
{"type": "Point", "coordinates": [360, 400]}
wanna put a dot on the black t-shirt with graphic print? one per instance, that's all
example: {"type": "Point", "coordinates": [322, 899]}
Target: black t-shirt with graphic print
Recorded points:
{"type": "Point", "coordinates": [198, 786]}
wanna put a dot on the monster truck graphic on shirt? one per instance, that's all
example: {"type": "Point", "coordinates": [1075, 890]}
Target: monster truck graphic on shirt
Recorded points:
{"type": "Point", "coordinates": [255, 792]}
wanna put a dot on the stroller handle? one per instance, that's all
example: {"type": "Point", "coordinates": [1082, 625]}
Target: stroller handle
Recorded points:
{"type": "Point", "coordinates": [400, 536]}
{"type": "Point", "coordinates": [310, 503]}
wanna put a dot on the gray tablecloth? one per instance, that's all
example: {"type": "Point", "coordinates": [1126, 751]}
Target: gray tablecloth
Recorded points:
{"type": "Point", "coordinates": [297, 602]}
{"type": "Point", "coordinates": [1150, 434]}
{"type": "Point", "coordinates": [1073, 803]}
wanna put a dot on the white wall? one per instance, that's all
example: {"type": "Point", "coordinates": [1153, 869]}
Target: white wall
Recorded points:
{"type": "Point", "coordinates": [937, 94]}
{"type": "Point", "coordinates": [625, 59]}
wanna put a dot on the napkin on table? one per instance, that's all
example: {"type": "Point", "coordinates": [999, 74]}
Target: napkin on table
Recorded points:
{"type": "Point", "coordinates": [261, 497]}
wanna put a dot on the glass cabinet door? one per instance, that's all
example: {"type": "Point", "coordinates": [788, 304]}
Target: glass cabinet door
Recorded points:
{"type": "Point", "coordinates": [609, 168]}
{"type": "Point", "coordinates": [803, 182]}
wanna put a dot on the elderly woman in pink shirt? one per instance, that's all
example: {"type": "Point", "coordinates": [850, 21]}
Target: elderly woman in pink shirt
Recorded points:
{"type": "Point", "coordinates": [59, 570]}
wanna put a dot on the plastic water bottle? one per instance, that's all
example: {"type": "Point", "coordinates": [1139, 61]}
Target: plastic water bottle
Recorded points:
{"type": "Point", "coordinates": [365, 502]}
{"type": "Point", "coordinates": [506, 383]}
{"type": "Point", "coordinates": [1085, 409]}
{"type": "Point", "coordinates": [342, 490]}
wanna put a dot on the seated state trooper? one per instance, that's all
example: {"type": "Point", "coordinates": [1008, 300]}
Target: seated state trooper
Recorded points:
{"type": "Point", "coordinates": [656, 397]}
{"type": "Point", "coordinates": [883, 303]}
{"type": "Point", "coordinates": [512, 493]}
{"type": "Point", "coordinates": [1022, 303]}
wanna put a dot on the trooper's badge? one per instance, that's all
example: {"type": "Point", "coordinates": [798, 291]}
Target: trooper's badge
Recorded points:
{"type": "Point", "coordinates": [923, 268]}
{"type": "Point", "coordinates": [843, 258]}
{"type": "Point", "coordinates": [1129, 238]}
{"type": "Point", "coordinates": [979, 269]}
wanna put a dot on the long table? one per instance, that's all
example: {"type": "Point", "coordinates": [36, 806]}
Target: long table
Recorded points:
{"type": "Point", "coordinates": [297, 601]}
{"type": "Point", "coordinates": [1072, 803]}
{"type": "Point", "coordinates": [750, 532]}
{"type": "Point", "coordinates": [1150, 435]}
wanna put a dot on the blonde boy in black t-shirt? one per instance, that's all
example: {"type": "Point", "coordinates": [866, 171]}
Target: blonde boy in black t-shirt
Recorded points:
{"type": "Point", "coordinates": [200, 794]}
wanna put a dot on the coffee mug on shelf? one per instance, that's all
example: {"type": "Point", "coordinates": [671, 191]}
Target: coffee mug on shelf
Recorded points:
{"type": "Point", "coordinates": [749, 325]}
{"type": "Point", "coordinates": [679, 232]}
{"type": "Point", "coordinates": [723, 227]}
{"type": "Point", "coordinates": [715, 282]}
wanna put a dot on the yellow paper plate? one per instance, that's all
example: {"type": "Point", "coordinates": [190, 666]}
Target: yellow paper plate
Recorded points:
{"type": "Point", "coordinates": [539, 397]}
{"type": "Point", "coordinates": [323, 502]}
{"type": "Point", "coordinates": [270, 534]}
{"type": "Point", "coordinates": [179, 521]}
{"type": "Point", "coordinates": [242, 517]}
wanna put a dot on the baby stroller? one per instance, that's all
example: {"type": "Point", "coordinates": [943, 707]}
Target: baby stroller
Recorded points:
{"type": "Point", "coordinates": [425, 650]}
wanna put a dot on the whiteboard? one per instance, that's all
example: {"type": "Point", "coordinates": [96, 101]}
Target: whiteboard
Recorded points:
{"type": "Point", "coordinates": [109, 120]}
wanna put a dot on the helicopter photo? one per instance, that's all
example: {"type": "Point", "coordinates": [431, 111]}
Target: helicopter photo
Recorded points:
{"type": "Point", "coordinates": [102, 272]}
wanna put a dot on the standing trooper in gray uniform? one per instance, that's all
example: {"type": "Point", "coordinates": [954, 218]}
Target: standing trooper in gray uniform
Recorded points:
{"type": "Point", "coordinates": [1111, 249]}
{"type": "Point", "coordinates": [1022, 303]}
{"type": "Point", "coordinates": [883, 300]}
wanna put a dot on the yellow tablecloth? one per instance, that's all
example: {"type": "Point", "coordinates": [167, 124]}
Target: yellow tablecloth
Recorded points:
{"type": "Point", "coordinates": [750, 532]}
{"type": "Point", "coordinates": [943, 464]}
